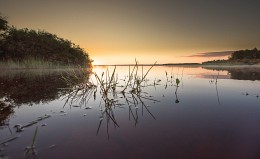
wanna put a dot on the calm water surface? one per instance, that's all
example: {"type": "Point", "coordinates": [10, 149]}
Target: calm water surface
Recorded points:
{"type": "Point", "coordinates": [214, 113]}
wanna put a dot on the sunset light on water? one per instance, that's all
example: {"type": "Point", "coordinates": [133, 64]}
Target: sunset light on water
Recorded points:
{"type": "Point", "coordinates": [128, 79]}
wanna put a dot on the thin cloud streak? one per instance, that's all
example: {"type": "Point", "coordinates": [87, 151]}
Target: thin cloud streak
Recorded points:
{"type": "Point", "coordinates": [212, 54]}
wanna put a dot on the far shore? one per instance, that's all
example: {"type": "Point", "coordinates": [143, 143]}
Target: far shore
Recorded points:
{"type": "Point", "coordinates": [188, 64]}
{"type": "Point", "coordinates": [50, 66]}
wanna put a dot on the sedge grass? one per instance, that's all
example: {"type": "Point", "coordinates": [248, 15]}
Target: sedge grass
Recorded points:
{"type": "Point", "coordinates": [33, 63]}
{"type": "Point", "coordinates": [107, 84]}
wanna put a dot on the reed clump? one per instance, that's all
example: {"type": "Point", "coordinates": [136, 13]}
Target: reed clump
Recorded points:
{"type": "Point", "coordinates": [110, 89]}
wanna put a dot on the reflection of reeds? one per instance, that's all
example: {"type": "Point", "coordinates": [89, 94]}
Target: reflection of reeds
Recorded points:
{"type": "Point", "coordinates": [216, 84]}
{"type": "Point", "coordinates": [80, 87]}
{"type": "Point", "coordinates": [32, 147]}
{"type": "Point", "coordinates": [107, 85]}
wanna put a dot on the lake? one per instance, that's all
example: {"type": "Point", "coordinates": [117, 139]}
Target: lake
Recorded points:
{"type": "Point", "coordinates": [211, 112]}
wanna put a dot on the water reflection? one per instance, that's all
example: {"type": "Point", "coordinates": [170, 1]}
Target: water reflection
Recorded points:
{"type": "Point", "coordinates": [114, 95]}
{"type": "Point", "coordinates": [32, 87]}
{"type": "Point", "coordinates": [5, 112]}
{"type": "Point", "coordinates": [239, 73]}
{"type": "Point", "coordinates": [214, 80]}
{"type": "Point", "coordinates": [35, 87]}
{"type": "Point", "coordinates": [160, 117]}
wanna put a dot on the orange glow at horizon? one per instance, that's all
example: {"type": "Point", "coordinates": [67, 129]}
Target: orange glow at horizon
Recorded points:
{"type": "Point", "coordinates": [118, 32]}
{"type": "Point", "coordinates": [145, 58]}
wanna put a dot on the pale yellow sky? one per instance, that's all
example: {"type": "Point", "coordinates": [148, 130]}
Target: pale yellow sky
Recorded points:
{"type": "Point", "coordinates": [118, 31]}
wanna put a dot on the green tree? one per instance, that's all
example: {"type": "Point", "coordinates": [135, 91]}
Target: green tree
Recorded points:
{"type": "Point", "coordinates": [23, 44]}
{"type": "Point", "coordinates": [3, 23]}
{"type": "Point", "coordinates": [245, 54]}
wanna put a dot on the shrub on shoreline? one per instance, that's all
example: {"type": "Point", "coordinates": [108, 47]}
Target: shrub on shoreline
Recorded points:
{"type": "Point", "coordinates": [19, 45]}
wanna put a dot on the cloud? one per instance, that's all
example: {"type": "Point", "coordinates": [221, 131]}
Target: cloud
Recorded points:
{"type": "Point", "coordinates": [212, 54]}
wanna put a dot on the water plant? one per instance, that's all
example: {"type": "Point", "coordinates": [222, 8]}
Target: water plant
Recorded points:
{"type": "Point", "coordinates": [31, 148]}
{"type": "Point", "coordinates": [110, 91]}
{"type": "Point", "coordinates": [177, 82]}
{"type": "Point", "coordinates": [215, 81]}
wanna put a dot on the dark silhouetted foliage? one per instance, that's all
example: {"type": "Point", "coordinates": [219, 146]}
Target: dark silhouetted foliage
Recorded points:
{"type": "Point", "coordinates": [215, 62]}
{"type": "Point", "coordinates": [245, 54]}
{"type": "Point", "coordinates": [239, 57]}
{"type": "Point", "coordinates": [3, 24]}
{"type": "Point", "coordinates": [23, 44]}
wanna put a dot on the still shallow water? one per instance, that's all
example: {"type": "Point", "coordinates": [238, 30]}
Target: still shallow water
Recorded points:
{"type": "Point", "coordinates": [214, 113]}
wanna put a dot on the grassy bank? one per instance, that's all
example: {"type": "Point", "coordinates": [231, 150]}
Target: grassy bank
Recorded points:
{"type": "Point", "coordinates": [33, 64]}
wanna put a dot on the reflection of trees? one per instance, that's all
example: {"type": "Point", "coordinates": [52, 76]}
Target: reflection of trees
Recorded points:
{"type": "Point", "coordinates": [31, 88]}
{"type": "Point", "coordinates": [26, 88]}
{"type": "Point", "coordinates": [5, 111]}
{"type": "Point", "coordinates": [239, 73]}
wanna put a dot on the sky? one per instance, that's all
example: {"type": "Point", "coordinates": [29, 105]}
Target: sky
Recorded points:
{"type": "Point", "coordinates": [166, 31]}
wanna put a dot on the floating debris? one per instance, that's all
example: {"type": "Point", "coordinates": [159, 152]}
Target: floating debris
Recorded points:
{"type": "Point", "coordinates": [245, 94]}
{"type": "Point", "coordinates": [19, 129]}
{"type": "Point", "coordinates": [52, 146]}
{"type": "Point", "coordinates": [88, 108]}
{"type": "Point", "coordinates": [5, 141]}
{"type": "Point", "coordinates": [64, 114]}
{"type": "Point", "coordinates": [44, 125]}
{"type": "Point", "coordinates": [62, 111]}
{"type": "Point", "coordinates": [84, 114]}
{"type": "Point", "coordinates": [136, 108]}
{"type": "Point", "coordinates": [29, 124]}
{"type": "Point", "coordinates": [17, 125]}
{"type": "Point", "coordinates": [43, 117]}
{"type": "Point", "coordinates": [76, 106]}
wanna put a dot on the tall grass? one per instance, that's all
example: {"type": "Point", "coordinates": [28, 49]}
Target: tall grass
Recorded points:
{"type": "Point", "coordinates": [109, 88]}
{"type": "Point", "coordinates": [33, 63]}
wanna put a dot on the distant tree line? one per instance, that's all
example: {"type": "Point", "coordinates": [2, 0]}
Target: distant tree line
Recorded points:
{"type": "Point", "coordinates": [245, 54]}
{"type": "Point", "coordinates": [215, 62]}
{"type": "Point", "coordinates": [22, 44]}
{"type": "Point", "coordinates": [240, 57]}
